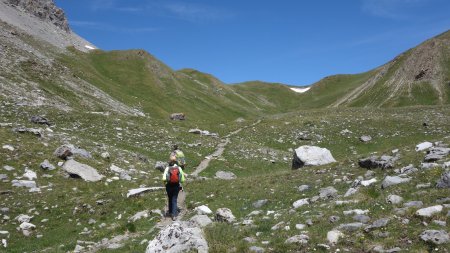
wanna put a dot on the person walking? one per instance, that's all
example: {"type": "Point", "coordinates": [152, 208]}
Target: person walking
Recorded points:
{"type": "Point", "coordinates": [179, 156]}
{"type": "Point", "coordinates": [173, 176]}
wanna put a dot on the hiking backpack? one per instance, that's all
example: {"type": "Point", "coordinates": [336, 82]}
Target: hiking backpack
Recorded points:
{"type": "Point", "coordinates": [173, 175]}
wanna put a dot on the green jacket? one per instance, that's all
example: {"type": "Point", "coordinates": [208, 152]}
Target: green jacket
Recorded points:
{"type": "Point", "coordinates": [166, 170]}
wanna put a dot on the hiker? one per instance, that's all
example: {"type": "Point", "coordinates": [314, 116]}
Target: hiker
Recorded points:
{"type": "Point", "coordinates": [179, 156]}
{"type": "Point", "coordinates": [172, 177]}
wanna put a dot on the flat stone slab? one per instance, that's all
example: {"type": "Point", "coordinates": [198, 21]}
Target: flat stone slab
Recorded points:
{"type": "Point", "coordinates": [135, 192]}
{"type": "Point", "coordinates": [84, 171]}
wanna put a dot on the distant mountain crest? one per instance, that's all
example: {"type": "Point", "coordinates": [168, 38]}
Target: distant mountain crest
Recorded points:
{"type": "Point", "coordinates": [43, 9]}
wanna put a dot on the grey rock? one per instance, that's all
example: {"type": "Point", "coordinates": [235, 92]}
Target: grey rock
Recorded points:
{"type": "Point", "coordinates": [40, 120]}
{"type": "Point", "coordinates": [83, 171]}
{"type": "Point", "coordinates": [24, 183]}
{"type": "Point", "coordinates": [423, 146]}
{"type": "Point", "coordinates": [350, 227]}
{"type": "Point", "coordinates": [428, 166]}
{"type": "Point", "coordinates": [416, 204]}
{"type": "Point", "coordinates": [429, 211]}
{"type": "Point", "coordinates": [303, 188]}
{"type": "Point", "coordinates": [410, 169]}
{"type": "Point", "coordinates": [224, 215]}
{"type": "Point", "coordinates": [394, 180]}
{"type": "Point", "coordinates": [177, 116]}
{"type": "Point", "coordinates": [201, 220]}
{"type": "Point", "coordinates": [225, 175]}
{"type": "Point", "coordinates": [361, 218]}
{"type": "Point", "coordinates": [161, 166]}
{"type": "Point", "coordinates": [334, 219]}
{"type": "Point", "coordinates": [260, 203]}
{"type": "Point", "coordinates": [380, 249]}
{"type": "Point", "coordinates": [384, 162]}
{"type": "Point", "coordinates": [46, 165]}
{"type": "Point", "coordinates": [8, 168]}
{"type": "Point", "coordinates": [139, 215]}
{"type": "Point", "coordinates": [435, 236]}
{"type": "Point", "coordinates": [444, 181]}
{"type": "Point", "coordinates": [311, 156]}
{"type": "Point", "coordinates": [443, 200]}
{"type": "Point", "coordinates": [436, 154]}
{"type": "Point", "coordinates": [34, 131]}
{"type": "Point", "coordinates": [365, 138]}
{"type": "Point", "coordinates": [377, 224]}
{"type": "Point", "coordinates": [327, 193]}
{"type": "Point", "coordinates": [300, 202]}
{"type": "Point", "coordinates": [68, 150]}
{"type": "Point", "coordinates": [298, 239]}
{"type": "Point", "coordinates": [256, 249]}
{"type": "Point", "coordinates": [178, 237]}
{"type": "Point", "coordinates": [3, 177]}
{"type": "Point", "coordinates": [333, 236]}
{"type": "Point", "coordinates": [394, 199]}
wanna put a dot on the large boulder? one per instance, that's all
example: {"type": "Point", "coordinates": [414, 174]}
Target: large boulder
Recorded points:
{"type": "Point", "coordinates": [83, 171]}
{"type": "Point", "coordinates": [179, 237]}
{"type": "Point", "coordinates": [311, 156]}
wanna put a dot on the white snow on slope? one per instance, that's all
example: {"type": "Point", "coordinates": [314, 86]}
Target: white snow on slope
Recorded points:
{"type": "Point", "coordinates": [301, 90]}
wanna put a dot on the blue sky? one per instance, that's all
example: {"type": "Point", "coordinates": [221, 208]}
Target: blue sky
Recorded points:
{"type": "Point", "coordinates": [287, 41]}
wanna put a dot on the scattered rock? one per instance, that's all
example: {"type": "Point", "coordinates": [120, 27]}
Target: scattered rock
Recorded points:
{"type": "Point", "coordinates": [161, 166]}
{"type": "Point", "coordinates": [34, 131]}
{"type": "Point", "coordinates": [311, 156]}
{"type": "Point", "coordinates": [46, 165]}
{"type": "Point", "coordinates": [377, 224]}
{"type": "Point", "coordinates": [201, 220]}
{"type": "Point", "coordinates": [300, 202]}
{"type": "Point", "coordinates": [394, 199]}
{"type": "Point", "coordinates": [298, 239]}
{"type": "Point", "coordinates": [256, 249]}
{"type": "Point", "coordinates": [384, 162]}
{"type": "Point", "coordinates": [350, 227]}
{"type": "Point", "coordinates": [394, 180]}
{"type": "Point", "coordinates": [67, 150]}
{"type": "Point", "coordinates": [224, 215]}
{"type": "Point", "coordinates": [303, 188]}
{"type": "Point", "coordinates": [83, 171]}
{"type": "Point", "coordinates": [139, 215]}
{"type": "Point", "coordinates": [436, 154]}
{"type": "Point", "coordinates": [177, 116]}
{"type": "Point", "coordinates": [203, 210]}
{"type": "Point", "coordinates": [423, 146]}
{"type": "Point", "coordinates": [225, 175]}
{"type": "Point", "coordinates": [429, 211]}
{"type": "Point", "coordinates": [327, 193]}
{"type": "Point", "coordinates": [435, 236]}
{"type": "Point", "coordinates": [24, 183]}
{"type": "Point", "coordinates": [333, 236]}
{"type": "Point", "coordinates": [444, 181]}
{"type": "Point", "coordinates": [178, 237]}
{"type": "Point", "coordinates": [260, 203]}
{"type": "Point", "coordinates": [8, 147]}
{"type": "Point", "coordinates": [365, 138]}
{"type": "Point", "coordinates": [138, 191]}
{"type": "Point", "coordinates": [40, 120]}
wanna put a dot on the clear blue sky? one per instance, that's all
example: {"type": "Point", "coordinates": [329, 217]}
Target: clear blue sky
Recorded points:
{"type": "Point", "coordinates": [288, 41]}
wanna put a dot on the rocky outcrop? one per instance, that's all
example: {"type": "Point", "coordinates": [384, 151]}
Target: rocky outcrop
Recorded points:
{"type": "Point", "coordinates": [44, 10]}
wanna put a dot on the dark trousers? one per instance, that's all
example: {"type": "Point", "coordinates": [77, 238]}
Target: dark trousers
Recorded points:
{"type": "Point", "coordinates": [172, 193]}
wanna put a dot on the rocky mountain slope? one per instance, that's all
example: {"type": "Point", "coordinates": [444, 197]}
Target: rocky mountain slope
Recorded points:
{"type": "Point", "coordinates": [420, 76]}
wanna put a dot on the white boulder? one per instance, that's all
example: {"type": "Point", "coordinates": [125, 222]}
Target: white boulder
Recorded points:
{"type": "Point", "coordinates": [311, 156]}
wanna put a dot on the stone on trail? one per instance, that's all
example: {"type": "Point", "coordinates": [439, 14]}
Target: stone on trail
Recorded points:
{"type": "Point", "coordinates": [201, 220]}
{"type": "Point", "coordinates": [435, 236]}
{"type": "Point", "coordinates": [311, 156]}
{"type": "Point", "coordinates": [203, 210]}
{"type": "Point", "coordinates": [84, 171]}
{"type": "Point", "coordinates": [178, 237]}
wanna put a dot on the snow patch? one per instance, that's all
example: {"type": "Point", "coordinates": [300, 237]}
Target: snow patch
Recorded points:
{"type": "Point", "coordinates": [300, 90]}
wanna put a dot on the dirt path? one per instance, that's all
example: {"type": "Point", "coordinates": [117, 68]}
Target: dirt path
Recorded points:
{"type": "Point", "coordinates": [219, 150]}
{"type": "Point", "coordinates": [202, 166]}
